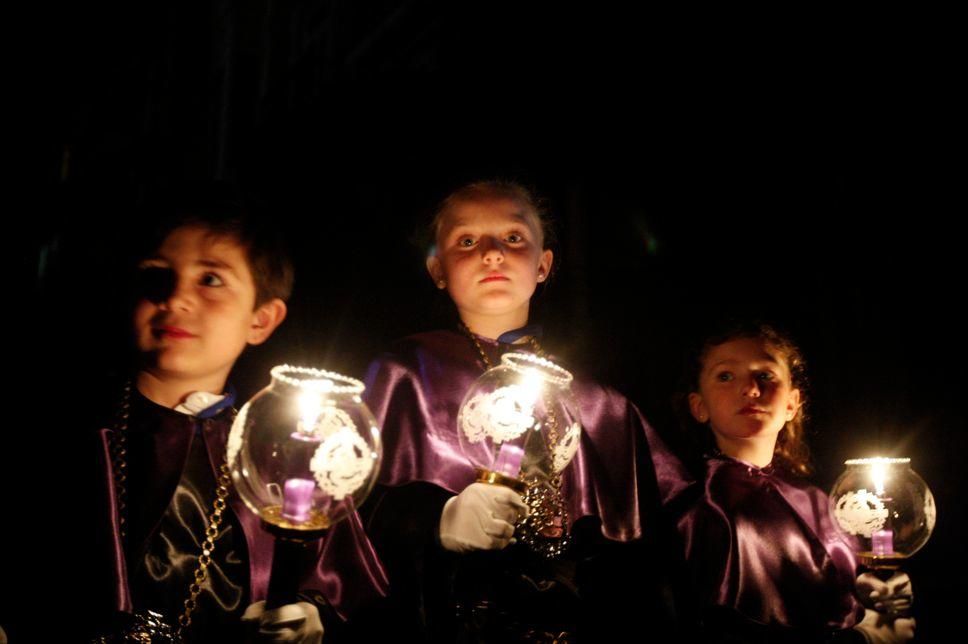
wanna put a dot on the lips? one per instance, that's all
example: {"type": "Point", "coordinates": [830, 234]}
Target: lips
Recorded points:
{"type": "Point", "coordinates": [494, 277]}
{"type": "Point", "coordinates": [752, 410]}
{"type": "Point", "coordinates": [173, 332]}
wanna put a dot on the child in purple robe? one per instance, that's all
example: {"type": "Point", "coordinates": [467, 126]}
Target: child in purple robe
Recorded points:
{"type": "Point", "coordinates": [457, 564]}
{"type": "Point", "coordinates": [169, 533]}
{"type": "Point", "coordinates": [766, 560]}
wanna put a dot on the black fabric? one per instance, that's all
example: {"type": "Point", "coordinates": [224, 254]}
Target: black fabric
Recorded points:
{"type": "Point", "coordinates": [161, 574]}
{"type": "Point", "coordinates": [600, 590]}
{"type": "Point", "coordinates": [723, 625]}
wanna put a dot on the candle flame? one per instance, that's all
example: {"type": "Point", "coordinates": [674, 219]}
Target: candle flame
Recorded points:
{"type": "Point", "coordinates": [879, 476]}
{"type": "Point", "coordinates": [531, 384]}
{"type": "Point", "coordinates": [309, 409]}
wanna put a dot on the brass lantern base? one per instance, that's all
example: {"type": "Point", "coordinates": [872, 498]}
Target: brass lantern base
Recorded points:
{"type": "Point", "coordinates": [312, 528]}
{"type": "Point", "coordinates": [881, 562]}
{"type": "Point", "coordinates": [496, 478]}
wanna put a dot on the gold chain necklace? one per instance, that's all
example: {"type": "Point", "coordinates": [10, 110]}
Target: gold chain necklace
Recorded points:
{"type": "Point", "coordinates": [545, 530]}
{"type": "Point", "coordinates": [120, 467]}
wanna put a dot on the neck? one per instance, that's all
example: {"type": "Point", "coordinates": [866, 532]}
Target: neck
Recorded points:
{"type": "Point", "coordinates": [757, 451]}
{"type": "Point", "coordinates": [170, 392]}
{"type": "Point", "coordinates": [492, 326]}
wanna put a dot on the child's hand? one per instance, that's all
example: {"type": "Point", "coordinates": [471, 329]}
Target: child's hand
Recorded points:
{"type": "Point", "coordinates": [482, 517]}
{"type": "Point", "coordinates": [893, 597]}
{"type": "Point", "coordinates": [297, 623]}
{"type": "Point", "coordinates": [884, 629]}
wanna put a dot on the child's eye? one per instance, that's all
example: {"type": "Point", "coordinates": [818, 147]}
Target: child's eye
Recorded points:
{"type": "Point", "coordinates": [724, 376]}
{"type": "Point", "coordinates": [155, 283]}
{"type": "Point", "coordinates": [465, 242]}
{"type": "Point", "coordinates": [211, 279]}
{"type": "Point", "coordinates": [514, 238]}
{"type": "Point", "coordinates": [765, 376]}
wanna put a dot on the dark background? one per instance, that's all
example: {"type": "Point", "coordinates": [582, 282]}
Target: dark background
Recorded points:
{"type": "Point", "coordinates": [802, 168]}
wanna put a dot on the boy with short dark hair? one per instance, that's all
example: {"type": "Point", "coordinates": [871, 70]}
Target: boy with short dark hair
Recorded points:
{"type": "Point", "coordinates": [214, 283]}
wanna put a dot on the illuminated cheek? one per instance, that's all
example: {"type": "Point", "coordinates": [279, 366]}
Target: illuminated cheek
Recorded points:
{"type": "Point", "coordinates": [461, 271]}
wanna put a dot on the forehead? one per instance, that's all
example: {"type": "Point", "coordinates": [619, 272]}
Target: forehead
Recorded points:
{"type": "Point", "coordinates": [194, 240]}
{"type": "Point", "coordinates": [496, 212]}
{"type": "Point", "coordinates": [744, 351]}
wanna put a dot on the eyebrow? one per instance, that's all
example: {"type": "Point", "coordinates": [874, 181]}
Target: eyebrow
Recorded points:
{"type": "Point", "coordinates": [731, 362]}
{"type": "Point", "coordinates": [520, 216]}
{"type": "Point", "coordinates": [206, 262]}
{"type": "Point", "coordinates": [217, 263]}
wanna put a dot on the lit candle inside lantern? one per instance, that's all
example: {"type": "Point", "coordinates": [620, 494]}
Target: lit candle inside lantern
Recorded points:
{"type": "Point", "coordinates": [297, 499]}
{"type": "Point", "coordinates": [509, 460]}
{"type": "Point", "coordinates": [882, 542]}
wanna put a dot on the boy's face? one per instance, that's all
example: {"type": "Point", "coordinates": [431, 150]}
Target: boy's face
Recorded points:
{"type": "Point", "coordinates": [490, 255]}
{"type": "Point", "coordinates": [196, 311]}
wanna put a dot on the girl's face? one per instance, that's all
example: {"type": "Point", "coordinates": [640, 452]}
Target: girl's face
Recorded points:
{"type": "Point", "coordinates": [490, 258]}
{"type": "Point", "coordinates": [745, 392]}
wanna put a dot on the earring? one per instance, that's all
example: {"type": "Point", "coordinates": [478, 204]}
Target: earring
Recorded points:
{"type": "Point", "coordinates": [541, 276]}
{"type": "Point", "coordinates": [441, 283]}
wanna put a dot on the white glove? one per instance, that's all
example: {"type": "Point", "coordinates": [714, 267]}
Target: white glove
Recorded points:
{"type": "Point", "coordinates": [879, 628]}
{"type": "Point", "coordinates": [893, 597]}
{"type": "Point", "coordinates": [293, 623]}
{"type": "Point", "coordinates": [482, 517]}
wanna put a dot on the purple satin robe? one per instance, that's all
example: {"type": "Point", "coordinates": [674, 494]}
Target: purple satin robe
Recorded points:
{"type": "Point", "coordinates": [415, 393]}
{"type": "Point", "coordinates": [766, 546]}
{"type": "Point", "coordinates": [347, 572]}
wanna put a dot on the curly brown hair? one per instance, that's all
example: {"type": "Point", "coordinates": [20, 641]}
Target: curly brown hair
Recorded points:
{"type": "Point", "coordinates": [791, 453]}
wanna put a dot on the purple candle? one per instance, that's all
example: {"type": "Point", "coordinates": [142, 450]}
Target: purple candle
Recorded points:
{"type": "Point", "coordinates": [297, 499]}
{"type": "Point", "coordinates": [509, 460]}
{"type": "Point", "coordinates": [882, 542]}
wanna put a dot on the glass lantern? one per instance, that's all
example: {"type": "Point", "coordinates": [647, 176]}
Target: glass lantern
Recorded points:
{"type": "Point", "coordinates": [519, 422]}
{"type": "Point", "coordinates": [885, 508]}
{"type": "Point", "coordinates": [305, 451]}
{"type": "Point", "coordinates": [519, 426]}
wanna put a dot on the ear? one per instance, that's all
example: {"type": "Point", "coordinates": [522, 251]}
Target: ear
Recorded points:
{"type": "Point", "coordinates": [544, 265]}
{"type": "Point", "coordinates": [265, 319]}
{"type": "Point", "coordinates": [793, 404]}
{"type": "Point", "coordinates": [697, 407]}
{"type": "Point", "coordinates": [436, 270]}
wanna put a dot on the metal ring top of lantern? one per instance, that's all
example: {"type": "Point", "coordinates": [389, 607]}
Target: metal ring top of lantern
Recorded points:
{"type": "Point", "coordinates": [877, 460]}
{"type": "Point", "coordinates": [524, 362]}
{"type": "Point", "coordinates": [317, 380]}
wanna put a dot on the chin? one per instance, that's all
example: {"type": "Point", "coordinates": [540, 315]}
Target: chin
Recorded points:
{"type": "Point", "coordinates": [173, 365]}
{"type": "Point", "coordinates": [500, 303]}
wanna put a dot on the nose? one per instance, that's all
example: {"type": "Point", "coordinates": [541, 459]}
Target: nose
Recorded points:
{"type": "Point", "coordinates": [180, 296]}
{"type": "Point", "coordinates": [751, 388]}
{"type": "Point", "coordinates": [492, 252]}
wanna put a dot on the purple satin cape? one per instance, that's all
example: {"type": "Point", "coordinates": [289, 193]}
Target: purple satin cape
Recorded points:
{"type": "Point", "coordinates": [765, 545]}
{"type": "Point", "coordinates": [347, 571]}
{"type": "Point", "coordinates": [415, 393]}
